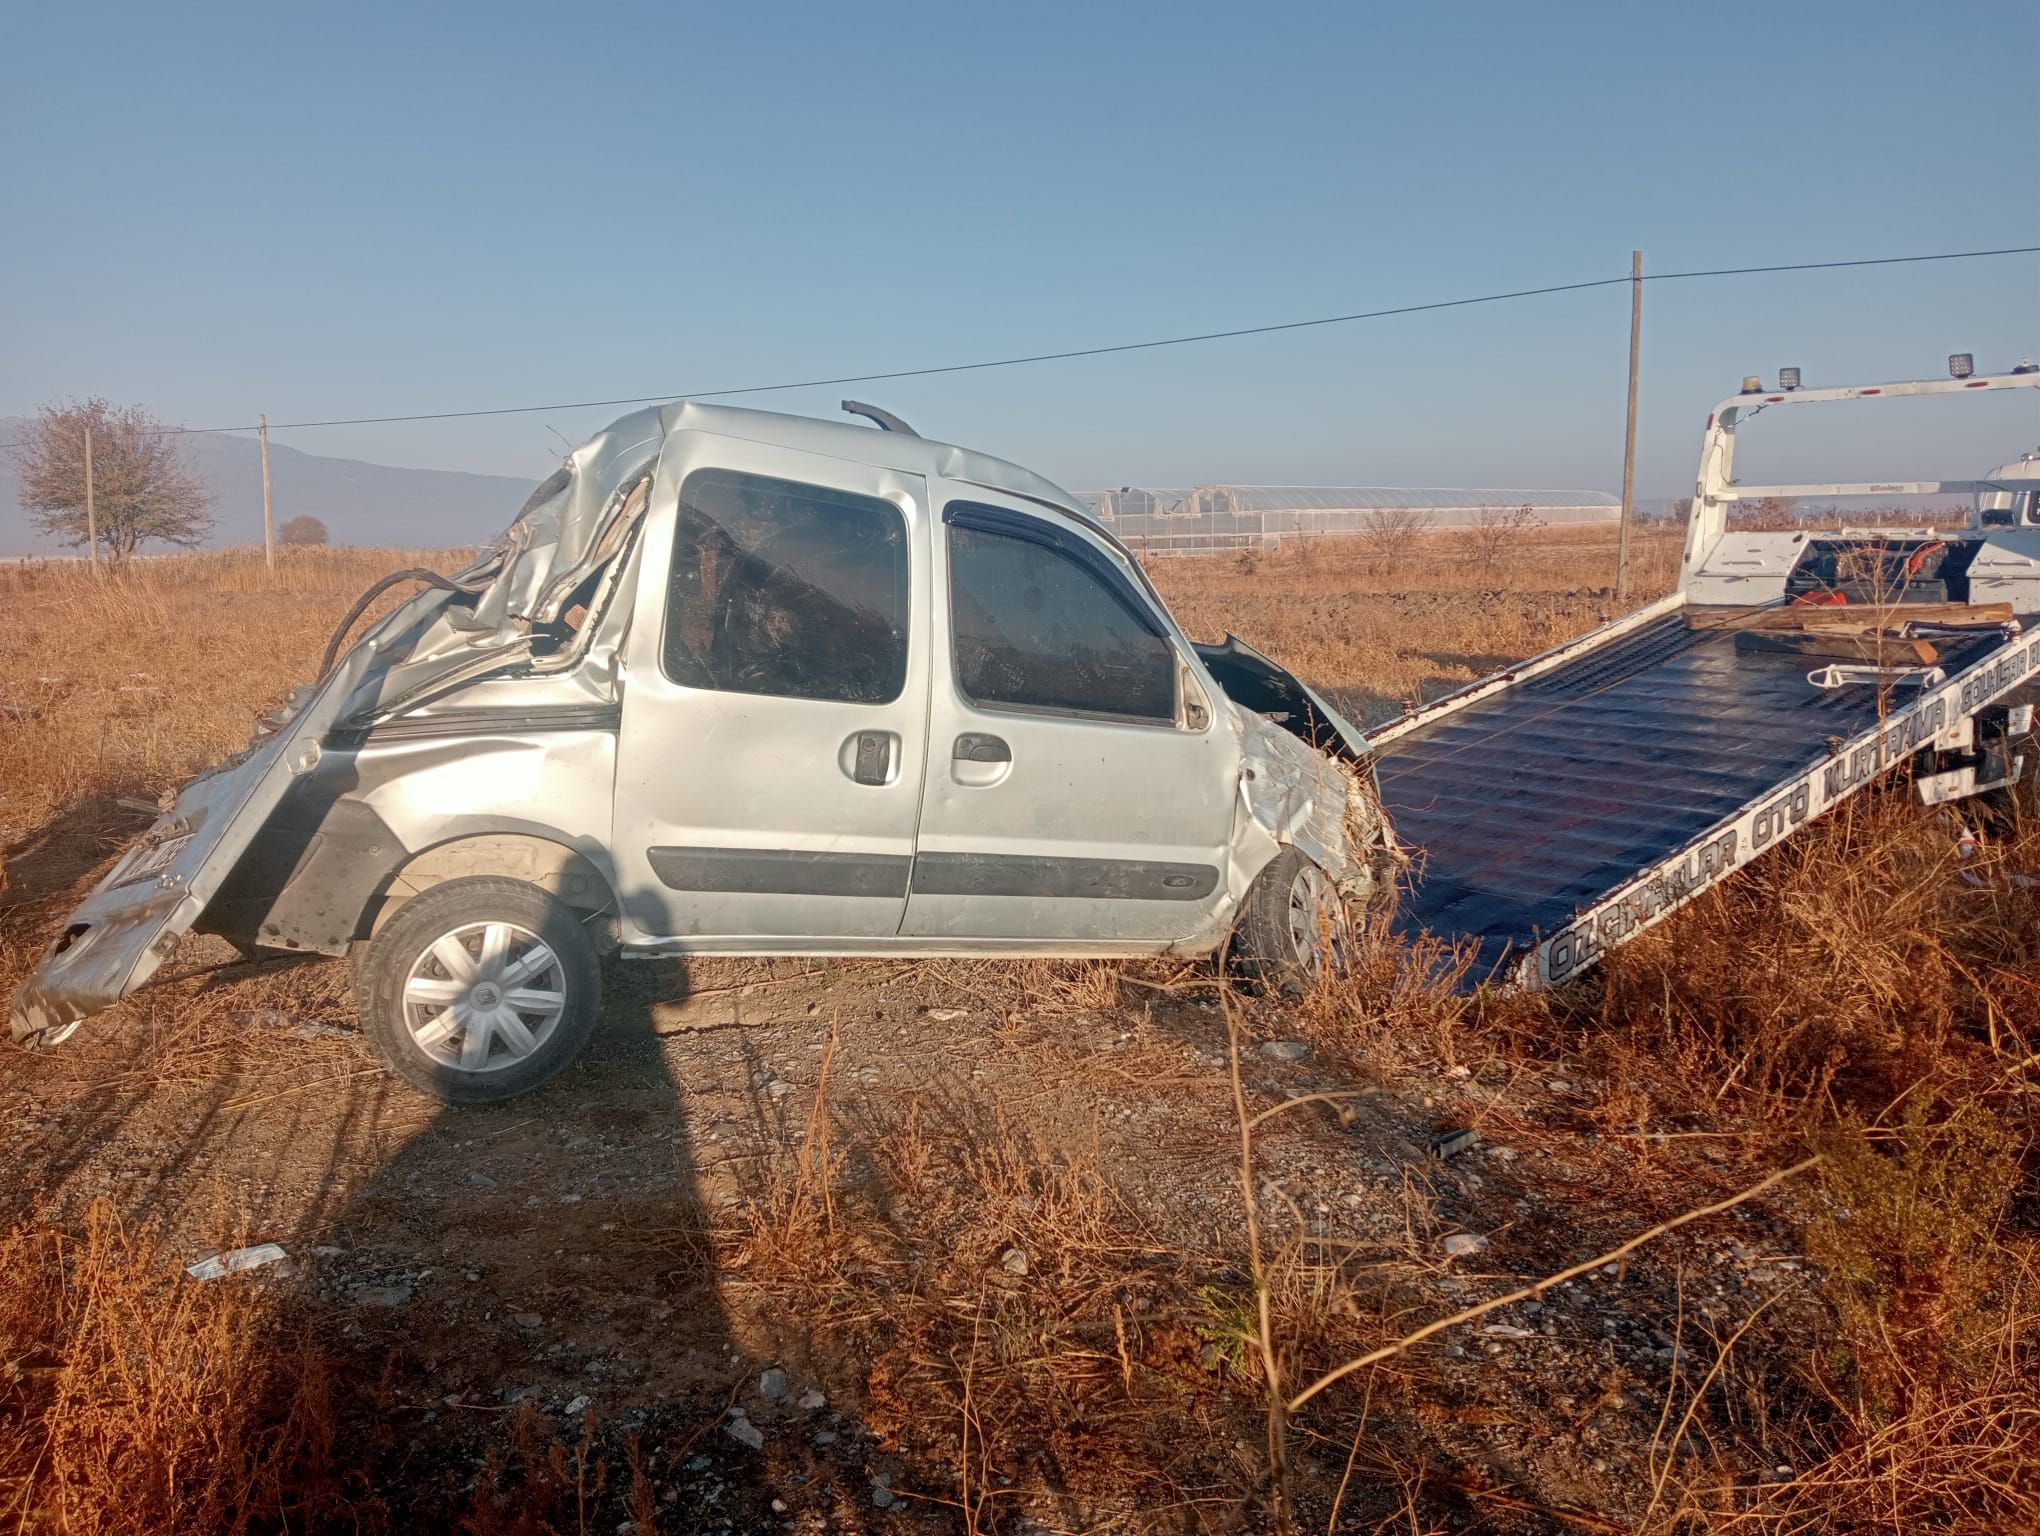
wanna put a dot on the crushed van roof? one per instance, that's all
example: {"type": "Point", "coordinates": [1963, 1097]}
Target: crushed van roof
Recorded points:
{"type": "Point", "coordinates": [869, 445]}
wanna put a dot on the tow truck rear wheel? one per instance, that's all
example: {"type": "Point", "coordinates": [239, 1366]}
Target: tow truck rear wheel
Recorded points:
{"type": "Point", "coordinates": [1291, 925]}
{"type": "Point", "coordinates": [479, 989]}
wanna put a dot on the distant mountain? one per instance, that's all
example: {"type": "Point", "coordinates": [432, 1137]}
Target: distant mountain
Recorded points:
{"type": "Point", "coordinates": [359, 503]}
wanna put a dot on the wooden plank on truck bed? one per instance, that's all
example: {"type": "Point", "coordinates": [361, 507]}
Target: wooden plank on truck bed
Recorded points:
{"type": "Point", "coordinates": [1944, 615]}
{"type": "Point", "coordinates": [1884, 650]}
{"type": "Point", "coordinates": [1709, 616]}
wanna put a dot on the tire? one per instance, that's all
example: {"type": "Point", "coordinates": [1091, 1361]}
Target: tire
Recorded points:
{"type": "Point", "coordinates": [482, 946]}
{"type": "Point", "coordinates": [1280, 937]}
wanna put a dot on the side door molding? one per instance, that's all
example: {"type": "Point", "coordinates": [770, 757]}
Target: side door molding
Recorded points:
{"type": "Point", "coordinates": [1060, 878]}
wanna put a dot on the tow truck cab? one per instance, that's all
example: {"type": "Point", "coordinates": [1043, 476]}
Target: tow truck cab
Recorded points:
{"type": "Point", "coordinates": [2011, 495]}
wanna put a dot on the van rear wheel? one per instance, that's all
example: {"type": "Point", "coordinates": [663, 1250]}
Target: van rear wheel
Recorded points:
{"type": "Point", "coordinates": [1291, 925]}
{"type": "Point", "coordinates": [480, 989]}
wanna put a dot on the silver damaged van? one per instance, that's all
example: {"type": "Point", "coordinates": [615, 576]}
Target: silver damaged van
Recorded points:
{"type": "Point", "coordinates": [743, 683]}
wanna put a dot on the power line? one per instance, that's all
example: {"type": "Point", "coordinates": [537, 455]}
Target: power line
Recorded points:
{"type": "Point", "coordinates": [996, 362]}
{"type": "Point", "coordinates": [1821, 266]}
{"type": "Point", "coordinates": [1119, 347]}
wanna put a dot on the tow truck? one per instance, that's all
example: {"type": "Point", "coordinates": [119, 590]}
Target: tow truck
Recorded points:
{"type": "Point", "coordinates": [736, 682]}
{"type": "Point", "coordinates": [1566, 804]}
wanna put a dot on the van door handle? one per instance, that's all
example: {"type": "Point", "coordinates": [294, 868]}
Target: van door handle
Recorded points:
{"type": "Point", "coordinates": [870, 757]}
{"type": "Point", "coordinates": [980, 759]}
{"type": "Point", "coordinates": [982, 747]}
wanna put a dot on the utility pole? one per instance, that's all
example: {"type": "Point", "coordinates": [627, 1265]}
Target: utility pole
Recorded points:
{"type": "Point", "coordinates": [269, 536]}
{"type": "Point", "coordinates": [1629, 438]}
{"type": "Point", "coordinates": [91, 514]}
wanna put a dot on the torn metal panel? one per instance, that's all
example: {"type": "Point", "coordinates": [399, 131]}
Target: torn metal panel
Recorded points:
{"type": "Point", "coordinates": [578, 520]}
{"type": "Point", "coordinates": [574, 524]}
{"type": "Point", "coordinates": [1299, 795]}
{"type": "Point", "coordinates": [560, 535]}
{"type": "Point", "coordinates": [132, 920]}
{"type": "Point", "coordinates": [514, 772]}
{"type": "Point", "coordinates": [1307, 776]}
{"type": "Point", "coordinates": [306, 878]}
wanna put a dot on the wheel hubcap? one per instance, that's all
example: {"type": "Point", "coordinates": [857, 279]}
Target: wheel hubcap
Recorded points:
{"type": "Point", "coordinates": [484, 996]}
{"type": "Point", "coordinates": [1309, 908]}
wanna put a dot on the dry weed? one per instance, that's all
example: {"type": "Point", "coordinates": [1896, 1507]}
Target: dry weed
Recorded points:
{"type": "Point", "coordinates": [135, 1400]}
{"type": "Point", "coordinates": [1869, 988]}
{"type": "Point", "coordinates": [1377, 639]}
{"type": "Point", "coordinates": [1846, 966]}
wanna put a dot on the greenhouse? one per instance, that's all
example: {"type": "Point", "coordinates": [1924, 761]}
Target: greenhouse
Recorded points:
{"type": "Point", "coordinates": [1154, 520]}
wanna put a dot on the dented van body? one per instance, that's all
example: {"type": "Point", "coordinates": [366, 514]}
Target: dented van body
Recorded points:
{"type": "Point", "coordinates": [735, 682]}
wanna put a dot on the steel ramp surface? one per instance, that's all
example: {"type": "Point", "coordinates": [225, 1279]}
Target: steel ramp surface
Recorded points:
{"type": "Point", "coordinates": [1527, 805]}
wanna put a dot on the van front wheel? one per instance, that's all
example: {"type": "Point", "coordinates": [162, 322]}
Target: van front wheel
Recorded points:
{"type": "Point", "coordinates": [480, 989]}
{"type": "Point", "coordinates": [1290, 925]}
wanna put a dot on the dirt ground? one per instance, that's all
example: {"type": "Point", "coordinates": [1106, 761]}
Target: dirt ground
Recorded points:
{"type": "Point", "coordinates": [595, 1246]}
{"type": "Point", "coordinates": [816, 1246]}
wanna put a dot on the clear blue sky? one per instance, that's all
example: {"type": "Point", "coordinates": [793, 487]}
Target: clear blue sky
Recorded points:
{"type": "Point", "coordinates": [223, 210]}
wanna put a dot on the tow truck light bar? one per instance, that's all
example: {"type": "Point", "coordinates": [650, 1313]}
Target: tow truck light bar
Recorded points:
{"type": "Point", "coordinates": [1961, 365]}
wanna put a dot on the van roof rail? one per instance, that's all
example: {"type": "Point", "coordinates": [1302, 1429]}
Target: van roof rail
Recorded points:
{"type": "Point", "coordinates": [885, 419]}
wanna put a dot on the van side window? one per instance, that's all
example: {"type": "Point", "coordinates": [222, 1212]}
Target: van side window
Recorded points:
{"type": "Point", "coordinates": [1037, 627]}
{"type": "Point", "coordinates": [787, 589]}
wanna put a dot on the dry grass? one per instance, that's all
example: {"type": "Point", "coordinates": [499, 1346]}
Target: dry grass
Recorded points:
{"type": "Point", "coordinates": [1009, 1303]}
{"type": "Point", "coordinates": [1379, 635]}
{"type": "Point", "coordinates": [1854, 996]}
{"type": "Point", "coordinates": [134, 1400]}
{"type": "Point", "coordinates": [1871, 991]}
{"type": "Point", "coordinates": [129, 684]}
{"type": "Point", "coordinates": [137, 1402]}
{"type": "Point", "coordinates": [1857, 965]}
{"type": "Point", "coordinates": [1870, 994]}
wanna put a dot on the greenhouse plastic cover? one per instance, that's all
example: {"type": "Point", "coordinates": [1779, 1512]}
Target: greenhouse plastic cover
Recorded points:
{"type": "Point", "coordinates": [1349, 498]}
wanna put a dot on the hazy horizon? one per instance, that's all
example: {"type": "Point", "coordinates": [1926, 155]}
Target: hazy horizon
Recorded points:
{"type": "Point", "coordinates": [398, 211]}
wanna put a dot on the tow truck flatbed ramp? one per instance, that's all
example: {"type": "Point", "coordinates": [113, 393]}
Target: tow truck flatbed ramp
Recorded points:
{"type": "Point", "coordinates": [1560, 791]}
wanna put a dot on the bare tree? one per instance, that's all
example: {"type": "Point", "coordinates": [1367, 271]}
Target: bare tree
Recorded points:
{"type": "Point", "coordinates": [142, 486]}
{"type": "Point", "coordinates": [303, 529]}
{"type": "Point", "coordinates": [1765, 512]}
{"type": "Point", "coordinates": [1493, 529]}
{"type": "Point", "coordinates": [1682, 509]}
{"type": "Point", "coordinates": [1390, 533]}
